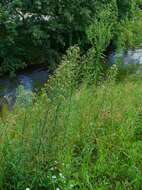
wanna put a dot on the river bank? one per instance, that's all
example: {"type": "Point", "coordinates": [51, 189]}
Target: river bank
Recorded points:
{"type": "Point", "coordinates": [34, 77]}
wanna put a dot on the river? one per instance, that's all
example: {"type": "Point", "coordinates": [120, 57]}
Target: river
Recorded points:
{"type": "Point", "coordinates": [31, 81]}
{"type": "Point", "coordinates": [130, 61]}
{"type": "Point", "coordinates": [127, 58]}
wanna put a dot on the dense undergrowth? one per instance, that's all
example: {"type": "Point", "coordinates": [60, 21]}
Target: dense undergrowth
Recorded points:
{"type": "Point", "coordinates": [82, 136]}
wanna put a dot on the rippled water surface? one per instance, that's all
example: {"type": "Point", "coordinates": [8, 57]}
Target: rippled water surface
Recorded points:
{"type": "Point", "coordinates": [129, 57]}
{"type": "Point", "coordinates": [31, 81]}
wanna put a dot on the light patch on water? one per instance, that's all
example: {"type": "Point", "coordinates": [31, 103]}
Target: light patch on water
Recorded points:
{"type": "Point", "coordinates": [23, 86]}
{"type": "Point", "coordinates": [26, 82]}
{"type": "Point", "coordinates": [129, 57]}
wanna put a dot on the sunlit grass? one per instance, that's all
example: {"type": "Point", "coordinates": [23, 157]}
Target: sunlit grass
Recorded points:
{"type": "Point", "coordinates": [92, 139]}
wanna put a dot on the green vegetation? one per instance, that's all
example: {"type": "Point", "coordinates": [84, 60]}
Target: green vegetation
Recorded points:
{"type": "Point", "coordinates": [81, 136]}
{"type": "Point", "coordinates": [40, 31]}
{"type": "Point", "coordinates": [83, 130]}
{"type": "Point", "coordinates": [91, 139]}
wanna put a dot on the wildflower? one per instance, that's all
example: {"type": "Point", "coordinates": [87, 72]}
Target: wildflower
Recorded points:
{"type": "Point", "coordinates": [61, 175]}
{"type": "Point", "coordinates": [57, 188]}
{"type": "Point", "coordinates": [27, 188]}
{"type": "Point", "coordinates": [54, 177]}
{"type": "Point", "coordinates": [52, 169]}
{"type": "Point", "coordinates": [71, 185]}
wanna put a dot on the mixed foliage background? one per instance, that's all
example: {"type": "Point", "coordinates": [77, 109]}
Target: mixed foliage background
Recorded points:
{"type": "Point", "coordinates": [39, 31]}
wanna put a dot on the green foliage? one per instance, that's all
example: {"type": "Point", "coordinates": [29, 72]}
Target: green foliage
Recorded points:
{"type": "Point", "coordinates": [89, 140]}
{"type": "Point", "coordinates": [39, 32]}
{"type": "Point", "coordinates": [65, 79]}
{"type": "Point", "coordinates": [71, 136]}
{"type": "Point", "coordinates": [99, 34]}
{"type": "Point", "coordinates": [126, 8]}
{"type": "Point", "coordinates": [130, 33]}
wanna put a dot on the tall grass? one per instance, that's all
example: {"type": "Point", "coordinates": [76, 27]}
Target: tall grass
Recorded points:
{"type": "Point", "coordinates": [89, 140]}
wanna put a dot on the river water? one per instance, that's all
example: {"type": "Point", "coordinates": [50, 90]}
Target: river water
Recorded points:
{"type": "Point", "coordinates": [30, 81]}
{"type": "Point", "coordinates": [131, 57]}
{"type": "Point", "coordinates": [130, 61]}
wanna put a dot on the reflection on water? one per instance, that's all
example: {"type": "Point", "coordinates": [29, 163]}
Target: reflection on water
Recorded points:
{"type": "Point", "coordinates": [130, 62]}
{"type": "Point", "coordinates": [129, 57]}
{"type": "Point", "coordinates": [31, 81]}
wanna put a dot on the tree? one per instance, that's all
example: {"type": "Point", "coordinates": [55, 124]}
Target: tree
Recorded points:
{"type": "Point", "coordinates": [39, 31]}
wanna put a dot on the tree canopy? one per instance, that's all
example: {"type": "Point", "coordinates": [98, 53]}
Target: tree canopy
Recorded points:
{"type": "Point", "coordinates": [39, 31]}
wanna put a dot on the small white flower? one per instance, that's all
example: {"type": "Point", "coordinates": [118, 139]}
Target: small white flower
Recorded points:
{"type": "Point", "coordinates": [61, 175]}
{"type": "Point", "coordinates": [71, 185]}
{"type": "Point", "coordinates": [52, 169]}
{"type": "Point", "coordinates": [57, 188]}
{"type": "Point", "coordinates": [27, 188]}
{"type": "Point", "coordinates": [54, 177]}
